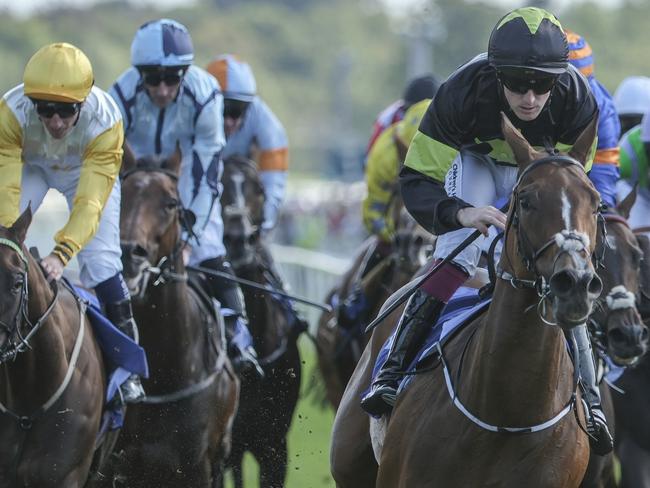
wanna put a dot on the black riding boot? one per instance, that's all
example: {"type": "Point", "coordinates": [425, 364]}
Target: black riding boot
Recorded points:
{"type": "Point", "coordinates": [600, 438]}
{"type": "Point", "coordinates": [421, 311]}
{"type": "Point", "coordinates": [121, 315]}
{"type": "Point", "coordinates": [229, 295]}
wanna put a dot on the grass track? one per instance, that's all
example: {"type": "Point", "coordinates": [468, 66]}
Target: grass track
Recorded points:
{"type": "Point", "coordinates": [309, 438]}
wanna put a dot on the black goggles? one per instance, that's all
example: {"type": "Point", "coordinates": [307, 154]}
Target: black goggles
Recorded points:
{"type": "Point", "coordinates": [234, 109]}
{"type": "Point", "coordinates": [169, 77]}
{"type": "Point", "coordinates": [522, 85]}
{"type": "Point", "coordinates": [48, 109]}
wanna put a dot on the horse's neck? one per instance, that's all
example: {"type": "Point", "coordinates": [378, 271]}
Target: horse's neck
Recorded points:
{"type": "Point", "coordinates": [33, 376]}
{"type": "Point", "coordinates": [260, 307]}
{"type": "Point", "coordinates": [515, 359]}
{"type": "Point", "coordinates": [164, 314]}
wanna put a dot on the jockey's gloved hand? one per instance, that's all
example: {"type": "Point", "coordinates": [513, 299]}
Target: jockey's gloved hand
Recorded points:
{"type": "Point", "coordinates": [481, 218]}
{"type": "Point", "coordinates": [53, 267]}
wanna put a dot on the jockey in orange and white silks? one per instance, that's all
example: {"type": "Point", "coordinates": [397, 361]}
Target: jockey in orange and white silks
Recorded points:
{"type": "Point", "coordinates": [164, 99]}
{"type": "Point", "coordinates": [253, 131]}
{"type": "Point", "coordinates": [59, 131]}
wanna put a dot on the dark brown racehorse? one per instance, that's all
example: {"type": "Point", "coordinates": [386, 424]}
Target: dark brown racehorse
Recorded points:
{"type": "Point", "coordinates": [516, 371]}
{"type": "Point", "coordinates": [52, 380]}
{"type": "Point", "coordinates": [616, 326]}
{"type": "Point", "coordinates": [632, 396]}
{"type": "Point", "coordinates": [180, 435]}
{"type": "Point", "coordinates": [266, 405]}
{"type": "Point", "coordinates": [339, 349]}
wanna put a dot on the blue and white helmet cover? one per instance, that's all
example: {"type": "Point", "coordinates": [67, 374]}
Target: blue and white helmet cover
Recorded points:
{"type": "Point", "coordinates": [163, 42]}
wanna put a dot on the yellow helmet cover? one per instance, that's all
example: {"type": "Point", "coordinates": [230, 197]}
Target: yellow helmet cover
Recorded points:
{"type": "Point", "coordinates": [58, 72]}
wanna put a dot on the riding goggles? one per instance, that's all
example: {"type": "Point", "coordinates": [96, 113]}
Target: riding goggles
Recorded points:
{"type": "Point", "coordinates": [521, 85]}
{"type": "Point", "coordinates": [168, 76]}
{"type": "Point", "coordinates": [47, 109]}
{"type": "Point", "coordinates": [234, 109]}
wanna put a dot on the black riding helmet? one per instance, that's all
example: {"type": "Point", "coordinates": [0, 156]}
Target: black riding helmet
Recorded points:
{"type": "Point", "coordinates": [419, 88]}
{"type": "Point", "coordinates": [529, 39]}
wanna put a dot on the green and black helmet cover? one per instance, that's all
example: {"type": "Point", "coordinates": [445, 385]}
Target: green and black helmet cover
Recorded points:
{"type": "Point", "coordinates": [529, 38]}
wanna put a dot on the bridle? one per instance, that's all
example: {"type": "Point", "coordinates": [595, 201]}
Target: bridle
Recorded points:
{"type": "Point", "coordinates": [618, 298]}
{"type": "Point", "coordinates": [239, 210]}
{"type": "Point", "coordinates": [568, 241]}
{"type": "Point", "coordinates": [164, 270]}
{"type": "Point", "coordinates": [16, 342]}
{"type": "Point", "coordinates": [530, 256]}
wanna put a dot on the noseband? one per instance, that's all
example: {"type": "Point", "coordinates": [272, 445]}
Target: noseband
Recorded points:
{"type": "Point", "coordinates": [164, 270]}
{"type": "Point", "coordinates": [16, 343]}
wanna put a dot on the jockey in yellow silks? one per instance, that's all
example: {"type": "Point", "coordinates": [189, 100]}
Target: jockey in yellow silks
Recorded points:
{"type": "Point", "coordinates": [59, 131]}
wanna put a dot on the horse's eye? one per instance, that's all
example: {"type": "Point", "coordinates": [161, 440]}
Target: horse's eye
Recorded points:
{"type": "Point", "coordinates": [525, 204]}
{"type": "Point", "coordinates": [18, 284]}
{"type": "Point", "coordinates": [172, 204]}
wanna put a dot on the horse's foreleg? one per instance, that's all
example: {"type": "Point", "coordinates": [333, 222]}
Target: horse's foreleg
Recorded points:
{"type": "Point", "coordinates": [273, 465]}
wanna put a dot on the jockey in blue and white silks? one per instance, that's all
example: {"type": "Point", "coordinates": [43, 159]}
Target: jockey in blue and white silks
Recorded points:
{"type": "Point", "coordinates": [193, 119]}
{"type": "Point", "coordinates": [164, 99]}
{"type": "Point", "coordinates": [253, 131]}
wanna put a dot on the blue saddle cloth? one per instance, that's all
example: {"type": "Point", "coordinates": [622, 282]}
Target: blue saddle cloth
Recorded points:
{"type": "Point", "coordinates": [122, 356]}
{"type": "Point", "coordinates": [464, 306]}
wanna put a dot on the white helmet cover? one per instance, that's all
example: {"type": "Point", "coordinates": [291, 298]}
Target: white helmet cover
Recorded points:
{"type": "Point", "coordinates": [163, 42]}
{"type": "Point", "coordinates": [632, 97]}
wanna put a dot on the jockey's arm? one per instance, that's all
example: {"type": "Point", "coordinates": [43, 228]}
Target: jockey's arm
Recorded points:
{"type": "Point", "coordinates": [421, 181]}
{"type": "Point", "coordinates": [382, 180]}
{"type": "Point", "coordinates": [101, 164]}
{"type": "Point", "coordinates": [273, 161]}
{"type": "Point", "coordinates": [11, 165]}
{"type": "Point", "coordinates": [209, 141]}
{"type": "Point", "coordinates": [605, 170]}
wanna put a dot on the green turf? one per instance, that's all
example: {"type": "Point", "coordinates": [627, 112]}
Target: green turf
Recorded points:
{"type": "Point", "coordinates": [309, 438]}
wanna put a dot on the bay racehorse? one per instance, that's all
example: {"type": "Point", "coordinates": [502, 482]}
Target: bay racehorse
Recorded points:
{"type": "Point", "coordinates": [339, 348]}
{"type": "Point", "coordinates": [180, 435]}
{"type": "Point", "coordinates": [431, 443]}
{"type": "Point", "coordinates": [266, 405]}
{"type": "Point", "coordinates": [52, 380]}
{"type": "Point", "coordinates": [631, 396]}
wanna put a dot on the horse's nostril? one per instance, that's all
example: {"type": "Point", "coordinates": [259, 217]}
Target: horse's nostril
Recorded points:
{"type": "Point", "coordinates": [562, 283]}
{"type": "Point", "coordinates": [616, 336]}
{"type": "Point", "coordinates": [595, 286]}
{"type": "Point", "coordinates": [251, 239]}
{"type": "Point", "coordinates": [139, 251]}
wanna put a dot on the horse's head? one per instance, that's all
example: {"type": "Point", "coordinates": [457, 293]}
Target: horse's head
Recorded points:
{"type": "Point", "coordinates": [242, 208]}
{"type": "Point", "coordinates": [552, 227]}
{"type": "Point", "coordinates": [412, 244]}
{"type": "Point", "coordinates": [616, 319]}
{"type": "Point", "coordinates": [13, 284]}
{"type": "Point", "coordinates": [150, 217]}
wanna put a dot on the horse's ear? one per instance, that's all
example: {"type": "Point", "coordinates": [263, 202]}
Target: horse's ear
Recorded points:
{"type": "Point", "coordinates": [128, 158]}
{"type": "Point", "coordinates": [624, 207]}
{"type": "Point", "coordinates": [20, 226]}
{"type": "Point", "coordinates": [585, 141]}
{"type": "Point", "coordinates": [523, 151]}
{"type": "Point", "coordinates": [173, 162]}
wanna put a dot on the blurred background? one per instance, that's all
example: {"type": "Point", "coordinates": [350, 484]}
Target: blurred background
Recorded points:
{"type": "Point", "coordinates": [326, 68]}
